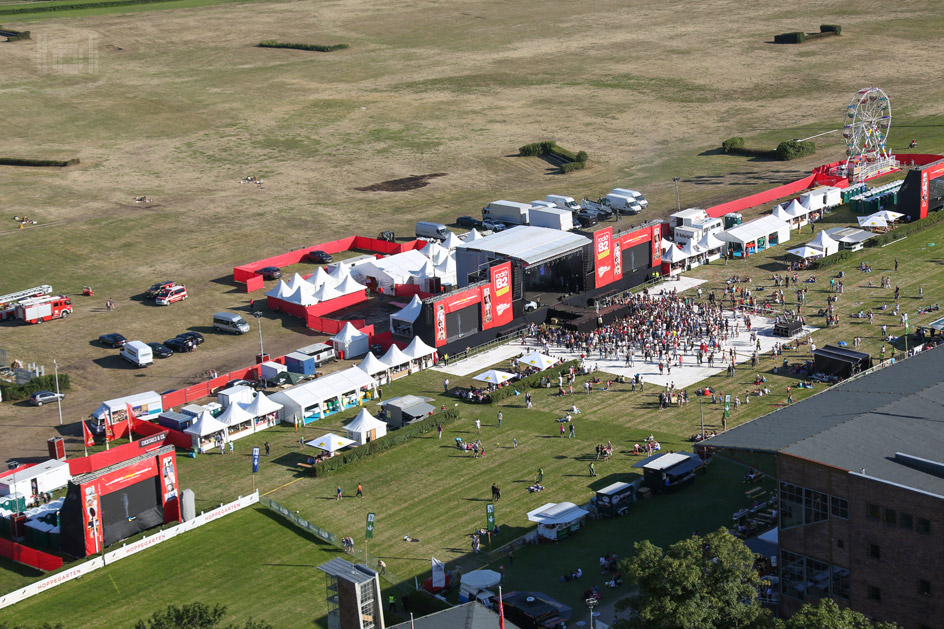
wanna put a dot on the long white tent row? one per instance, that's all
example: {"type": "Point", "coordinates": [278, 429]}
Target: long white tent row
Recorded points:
{"type": "Point", "coordinates": [320, 286]}
{"type": "Point", "coordinates": [325, 396]}
{"type": "Point", "coordinates": [396, 362]}
{"type": "Point", "coordinates": [409, 267]}
{"type": "Point", "coordinates": [236, 421]}
{"type": "Point", "coordinates": [755, 236]}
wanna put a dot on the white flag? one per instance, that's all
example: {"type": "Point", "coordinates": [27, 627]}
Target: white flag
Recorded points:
{"type": "Point", "coordinates": [439, 574]}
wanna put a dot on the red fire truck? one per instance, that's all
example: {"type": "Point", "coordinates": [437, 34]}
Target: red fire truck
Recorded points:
{"type": "Point", "coordinates": [41, 309]}
{"type": "Point", "coordinates": [8, 302]}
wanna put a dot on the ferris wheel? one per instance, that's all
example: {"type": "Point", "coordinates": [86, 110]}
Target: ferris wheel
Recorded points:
{"type": "Point", "coordinates": [865, 129]}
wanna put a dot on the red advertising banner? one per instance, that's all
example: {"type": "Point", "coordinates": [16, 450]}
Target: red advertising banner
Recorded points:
{"type": "Point", "coordinates": [461, 299]}
{"type": "Point", "coordinates": [932, 172]}
{"type": "Point", "coordinates": [127, 476]}
{"type": "Point", "coordinates": [656, 245]}
{"type": "Point", "coordinates": [496, 297]}
{"type": "Point", "coordinates": [92, 518]}
{"type": "Point", "coordinates": [440, 323]}
{"type": "Point", "coordinates": [603, 257]}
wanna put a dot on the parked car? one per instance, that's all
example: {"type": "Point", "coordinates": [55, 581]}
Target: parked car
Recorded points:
{"type": "Point", "coordinates": [171, 295]}
{"type": "Point", "coordinates": [586, 218]}
{"type": "Point", "coordinates": [531, 306]}
{"type": "Point", "coordinates": [377, 350]}
{"type": "Point", "coordinates": [179, 345]}
{"type": "Point", "coordinates": [160, 350]}
{"type": "Point", "coordinates": [468, 221]}
{"type": "Point", "coordinates": [196, 337]}
{"type": "Point", "coordinates": [494, 226]}
{"type": "Point", "coordinates": [270, 272]}
{"type": "Point", "coordinates": [112, 340]}
{"type": "Point", "coordinates": [158, 288]}
{"type": "Point", "coordinates": [317, 256]}
{"type": "Point", "coordinates": [45, 397]}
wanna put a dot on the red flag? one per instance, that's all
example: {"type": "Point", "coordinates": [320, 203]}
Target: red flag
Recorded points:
{"type": "Point", "coordinates": [87, 435]}
{"type": "Point", "coordinates": [131, 418]}
{"type": "Point", "coordinates": [109, 431]}
{"type": "Point", "coordinates": [501, 611]}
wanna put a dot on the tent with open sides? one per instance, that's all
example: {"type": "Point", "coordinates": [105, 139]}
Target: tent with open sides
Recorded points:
{"type": "Point", "coordinates": [419, 351]}
{"type": "Point", "coordinates": [401, 323]}
{"type": "Point", "coordinates": [350, 342]}
{"type": "Point", "coordinates": [873, 222]}
{"type": "Point", "coordinates": [825, 243]}
{"type": "Point", "coordinates": [372, 366]}
{"type": "Point", "coordinates": [365, 428]}
{"type": "Point", "coordinates": [205, 430]}
{"type": "Point", "coordinates": [712, 246]}
{"type": "Point", "coordinates": [557, 520]}
{"type": "Point", "coordinates": [394, 359]}
{"type": "Point", "coordinates": [673, 261]}
{"type": "Point", "coordinates": [799, 215]}
{"type": "Point", "coordinates": [806, 252]}
{"type": "Point", "coordinates": [494, 376]}
{"type": "Point", "coordinates": [330, 443]}
{"type": "Point", "coordinates": [239, 421]}
{"type": "Point", "coordinates": [264, 411]}
{"type": "Point", "coordinates": [329, 394]}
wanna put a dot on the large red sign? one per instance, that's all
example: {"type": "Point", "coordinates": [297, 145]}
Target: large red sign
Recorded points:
{"type": "Point", "coordinates": [450, 304]}
{"type": "Point", "coordinates": [932, 172]}
{"type": "Point", "coordinates": [496, 297]}
{"type": "Point", "coordinates": [603, 257]}
{"type": "Point", "coordinates": [657, 245]}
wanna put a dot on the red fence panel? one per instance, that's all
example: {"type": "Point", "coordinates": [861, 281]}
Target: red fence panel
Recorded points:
{"type": "Point", "coordinates": [761, 197]}
{"type": "Point", "coordinates": [29, 556]}
{"type": "Point", "coordinates": [180, 439]}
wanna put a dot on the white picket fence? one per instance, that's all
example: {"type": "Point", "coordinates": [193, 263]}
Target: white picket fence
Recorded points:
{"type": "Point", "coordinates": [126, 551]}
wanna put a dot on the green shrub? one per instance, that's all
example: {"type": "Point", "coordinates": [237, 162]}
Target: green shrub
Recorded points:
{"type": "Point", "coordinates": [271, 43]}
{"type": "Point", "coordinates": [582, 157]}
{"type": "Point", "coordinates": [530, 150]}
{"type": "Point", "coordinates": [71, 7]}
{"type": "Point", "coordinates": [531, 382]}
{"type": "Point", "coordinates": [732, 144]}
{"type": "Point", "coordinates": [791, 149]}
{"type": "Point", "coordinates": [16, 161]}
{"type": "Point", "coordinates": [390, 440]}
{"type": "Point", "coordinates": [797, 37]}
{"type": "Point", "coordinates": [905, 230]}
{"type": "Point", "coordinates": [830, 28]}
{"type": "Point", "coordinates": [571, 166]}
{"type": "Point", "coordinates": [13, 392]}
{"type": "Point", "coordinates": [12, 35]}
{"type": "Point", "coordinates": [832, 260]}
{"type": "Point", "coordinates": [562, 152]}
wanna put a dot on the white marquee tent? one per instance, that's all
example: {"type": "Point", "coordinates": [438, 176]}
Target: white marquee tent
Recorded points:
{"type": "Point", "coordinates": [371, 365]}
{"type": "Point", "coordinates": [402, 322]}
{"type": "Point", "coordinates": [825, 243]}
{"type": "Point", "coordinates": [535, 359]}
{"type": "Point", "coordinates": [349, 285]}
{"type": "Point", "coordinates": [712, 246]}
{"type": "Point", "coordinates": [756, 235]}
{"type": "Point", "coordinates": [418, 350]}
{"type": "Point", "coordinates": [394, 358]}
{"type": "Point", "coordinates": [471, 236]}
{"type": "Point", "coordinates": [452, 242]}
{"type": "Point", "coordinates": [365, 428]}
{"type": "Point", "coordinates": [327, 394]}
{"type": "Point", "coordinates": [350, 342]}
{"type": "Point", "coordinates": [400, 268]}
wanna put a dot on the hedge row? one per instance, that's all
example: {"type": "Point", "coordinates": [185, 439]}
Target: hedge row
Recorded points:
{"type": "Point", "coordinates": [830, 28]}
{"type": "Point", "coordinates": [576, 161]}
{"type": "Point", "coordinates": [792, 149]}
{"type": "Point", "coordinates": [571, 166]}
{"type": "Point", "coordinates": [72, 7]}
{"type": "Point", "coordinates": [905, 230]}
{"type": "Point", "coordinates": [271, 43]}
{"type": "Point", "coordinates": [797, 37]}
{"type": "Point", "coordinates": [12, 35]}
{"type": "Point", "coordinates": [530, 382]}
{"type": "Point", "coordinates": [14, 392]}
{"type": "Point", "coordinates": [832, 260]}
{"type": "Point", "coordinates": [16, 161]}
{"type": "Point", "coordinates": [390, 440]}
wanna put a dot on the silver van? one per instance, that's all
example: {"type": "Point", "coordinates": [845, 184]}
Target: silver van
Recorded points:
{"type": "Point", "coordinates": [230, 322]}
{"type": "Point", "coordinates": [426, 229]}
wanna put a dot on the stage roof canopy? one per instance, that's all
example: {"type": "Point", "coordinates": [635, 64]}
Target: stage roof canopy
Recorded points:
{"type": "Point", "coordinates": [530, 244]}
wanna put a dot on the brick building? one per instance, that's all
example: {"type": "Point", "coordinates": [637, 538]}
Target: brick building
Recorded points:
{"type": "Point", "coordinates": [860, 470]}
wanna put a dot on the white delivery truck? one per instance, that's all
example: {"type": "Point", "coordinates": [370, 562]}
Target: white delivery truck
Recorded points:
{"type": "Point", "coordinates": [137, 353]}
{"type": "Point", "coordinates": [564, 203]}
{"type": "Point", "coordinates": [510, 212]}
{"type": "Point", "coordinates": [622, 204]}
{"type": "Point", "coordinates": [634, 194]}
{"type": "Point", "coordinates": [552, 218]}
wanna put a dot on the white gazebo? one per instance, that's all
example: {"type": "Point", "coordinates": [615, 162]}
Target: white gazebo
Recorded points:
{"type": "Point", "coordinates": [420, 352]}
{"type": "Point", "coordinates": [239, 421]}
{"type": "Point", "coordinates": [401, 323]}
{"type": "Point", "coordinates": [206, 430]}
{"type": "Point", "coordinates": [673, 261]}
{"type": "Point", "coordinates": [264, 411]}
{"type": "Point", "coordinates": [365, 428]}
{"type": "Point", "coordinates": [494, 376]}
{"type": "Point", "coordinates": [396, 361]}
{"type": "Point", "coordinates": [330, 443]}
{"type": "Point", "coordinates": [350, 342]}
{"type": "Point", "coordinates": [535, 359]}
{"type": "Point", "coordinates": [280, 291]}
{"type": "Point", "coordinates": [799, 215]}
{"type": "Point", "coordinates": [372, 366]}
{"type": "Point", "coordinates": [712, 246]}
{"type": "Point", "coordinates": [825, 243]}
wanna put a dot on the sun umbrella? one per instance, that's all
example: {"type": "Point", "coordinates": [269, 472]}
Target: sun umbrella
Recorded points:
{"type": "Point", "coordinates": [494, 376]}
{"type": "Point", "coordinates": [872, 221]}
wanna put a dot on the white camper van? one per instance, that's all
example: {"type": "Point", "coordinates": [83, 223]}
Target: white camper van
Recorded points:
{"type": "Point", "coordinates": [137, 353]}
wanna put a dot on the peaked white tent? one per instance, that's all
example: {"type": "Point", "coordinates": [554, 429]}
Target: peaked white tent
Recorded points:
{"type": "Point", "coordinates": [205, 430]}
{"type": "Point", "coordinates": [712, 246]}
{"type": "Point", "coordinates": [541, 361]}
{"type": "Point", "coordinates": [825, 243]}
{"type": "Point", "coordinates": [400, 268]}
{"type": "Point", "coordinates": [667, 244]}
{"type": "Point", "coordinates": [234, 415]}
{"type": "Point", "coordinates": [494, 376]}
{"type": "Point", "coordinates": [371, 365]}
{"type": "Point", "coordinates": [330, 443]}
{"type": "Point", "coordinates": [402, 322]}
{"type": "Point", "coordinates": [320, 277]}
{"type": "Point", "coordinates": [418, 350]}
{"type": "Point", "coordinates": [349, 285]}
{"type": "Point", "coordinates": [261, 406]}
{"type": "Point", "coordinates": [394, 358]}
{"type": "Point", "coordinates": [452, 242]}
{"type": "Point", "coordinates": [303, 295]}
{"type": "Point", "coordinates": [799, 215]}
{"type": "Point", "coordinates": [338, 273]}
{"type": "Point", "coordinates": [295, 281]}
{"type": "Point", "coordinates": [280, 291]}
{"type": "Point", "coordinates": [350, 342]}
{"type": "Point", "coordinates": [471, 236]}
{"type": "Point", "coordinates": [781, 213]}
{"type": "Point", "coordinates": [435, 252]}
{"type": "Point", "coordinates": [326, 292]}
{"type": "Point", "coordinates": [365, 428]}
{"type": "Point", "coordinates": [674, 255]}
{"type": "Point", "coordinates": [446, 270]}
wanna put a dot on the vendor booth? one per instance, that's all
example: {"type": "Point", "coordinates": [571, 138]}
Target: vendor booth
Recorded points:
{"type": "Point", "coordinates": [668, 471]}
{"type": "Point", "coordinates": [207, 432]}
{"type": "Point", "coordinates": [239, 422]}
{"type": "Point", "coordinates": [798, 215]}
{"type": "Point", "coordinates": [350, 342]}
{"type": "Point", "coordinates": [695, 255]}
{"type": "Point", "coordinates": [401, 323]}
{"type": "Point", "coordinates": [365, 428]}
{"type": "Point", "coordinates": [471, 583]}
{"type": "Point", "coordinates": [673, 261]}
{"type": "Point", "coordinates": [755, 236]}
{"type": "Point", "coordinates": [825, 243]}
{"type": "Point", "coordinates": [330, 443]}
{"type": "Point", "coordinates": [557, 520]}
{"type": "Point", "coordinates": [34, 480]}
{"type": "Point", "coordinates": [615, 499]}
{"type": "Point", "coordinates": [264, 411]}
{"type": "Point", "coordinates": [712, 247]}
{"type": "Point", "coordinates": [839, 362]}
{"type": "Point", "coordinates": [147, 405]}
{"type": "Point", "coordinates": [422, 355]}
{"type": "Point", "coordinates": [325, 396]}
{"type": "Point", "coordinates": [406, 409]}
{"type": "Point", "coordinates": [396, 362]}
{"type": "Point", "coordinates": [372, 366]}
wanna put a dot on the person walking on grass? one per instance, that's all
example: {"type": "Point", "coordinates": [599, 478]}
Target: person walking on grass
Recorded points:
{"type": "Point", "coordinates": [500, 417]}
{"type": "Point", "coordinates": [360, 491]}
{"type": "Point", "coordinates": [478, 425]}
{"type": "Point", "coordinates": [266, 444]}
{"type": "Point", "coordinates": [439, 429]}
{"type": "Point", "coordinates": [593, 472]}
{"type": "Point", "coordinates": [572, 432]}
{"type": "Point", "coordinates": [339, 493]}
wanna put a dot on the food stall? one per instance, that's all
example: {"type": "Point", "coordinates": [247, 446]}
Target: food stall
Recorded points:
{"type": "Point", "coordinates": [557, 520]}
{"type": "Point", "coordinates": [616, 499]}
{"type": "Point", "coordinates": [207, 431]}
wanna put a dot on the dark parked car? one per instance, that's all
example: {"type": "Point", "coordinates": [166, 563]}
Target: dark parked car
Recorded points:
{"type": "Point", "coordinates": [112, 340]}
{"type": "Point", "coordinates": [152, 292]}
{"type": "Point", "coordinates": [318, 257]}
{"type": "Point", "coordinates": [179, 345]}
{"type": "Point", "coordinates": [586, 218]}
{"type": "Point", "coordinates": [45, 397]}
{"type": "Point", "coordinates": [196, 337]}
{"type": "Point", "coordinates": [160, 350]}
{"type": "Point", "coordinates": [468, 221]}
{"type": "Point", "coordinates": [270, 272]}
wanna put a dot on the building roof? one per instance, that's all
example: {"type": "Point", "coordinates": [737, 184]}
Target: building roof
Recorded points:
{"type": "Point", "coordinates": [469, 615]}
{"type": "Point", "coordinates": [347, 571]}
{"type": "Point", "coordinates": [862, 423]}
{"type": "Point", "coordinates": [530, 244]}
{"type": "Point", "coordinates": [752, 230]}
{"type": "Point", "coordinates": [557, 513]}
{"type": "Point", "coordinates": [849, 234]}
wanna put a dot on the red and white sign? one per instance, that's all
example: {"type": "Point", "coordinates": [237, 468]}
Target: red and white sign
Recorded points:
{"type": "Point", "coordinates": [932, 172]}
{"type": "Point", "coordinates": [656, 245]}
{"type": "Point", "coordinates": [496, 298]}
{"type": "Point", "coordinates": [603, 257]}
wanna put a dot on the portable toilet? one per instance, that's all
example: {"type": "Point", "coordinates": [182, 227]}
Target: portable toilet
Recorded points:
{"type": "Point", "coordinates": [732, 219]}
{"type": "Point", "coordinates": [300, 363]}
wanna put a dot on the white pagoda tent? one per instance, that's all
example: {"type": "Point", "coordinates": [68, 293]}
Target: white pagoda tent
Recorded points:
{"type": "Point", "coordinates": [419, 351]}
{"type": "Point", "coordinates": [825, 243]}
{"type": "Point", "coordinates": [326, 292]}
{"type": "Point", "coordinates": [401, 323]}
{"type": "Point", "coordinates": [674, 259]}
{"type": "Point", "coordinates": [238, 420]}
{"type": "Point", "coordinates": [264, 411]}
{"type": "Point", "coordinates": [350, 342]}
{"type": "Point", "coordinates": [712, 246]}
{"type": "Point", "coordinates": [394, 358]}
{"type": "Point", "coordinates": [349, 285]}
{"type": "Point", "coordinates": [320, 277]}
{"type": "Point", "coordinates": [365, 428]}
{"type": "Point", "coordinates": [372, 366]}
{"type": "Point", "coordinates": [471, 236]}
{"type": "Point", "coordinates": [279, 291]}
{"type": "Point", "coordinates": [452, 242]}
{"type": "Point", "coordinates": [205, 430]}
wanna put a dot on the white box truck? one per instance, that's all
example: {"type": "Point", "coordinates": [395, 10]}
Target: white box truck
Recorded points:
{"type": "Point", "coordinates": [137, 353]}
{"type": "Point", "coordinates": [552, 218]}
{"type": "Point", "coordinates": [623, 204]}
{"type": "Point", "coordinates": [510, 212]}
{"type": "Point", "coordinates": [564, 203]}
{"type": "Point", "coordinates": [635, 194]}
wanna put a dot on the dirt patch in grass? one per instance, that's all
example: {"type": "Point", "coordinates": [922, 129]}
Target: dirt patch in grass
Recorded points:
{"type": "Point", "coordinates": [401, 185]}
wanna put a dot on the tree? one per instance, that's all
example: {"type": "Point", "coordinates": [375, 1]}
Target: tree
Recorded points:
{"type": "Point", "coordinates": [192, 616]}
{"type": "Point", "coordinates": [697, 583]}
{"type": "Point", "coordinates": [828, 615]}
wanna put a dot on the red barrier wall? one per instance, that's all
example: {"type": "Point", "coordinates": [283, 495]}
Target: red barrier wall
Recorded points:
{"type": "Point", "coordinates": [408, 290]}
{"type": "Point", "coordinates": [115, 454]}
{"type": "Point", "coordinates": [29, 556]}
{"type": "Point", "coordinates": [338, 303]}
{"type": "Point", "coordinates": [203, 389]}
{"type": "Point", "coordinates": [761, 197]}
{"type": "Point", "coordinates": [330, 326]}
{"type": "Point", "coordinates": [180, 439]}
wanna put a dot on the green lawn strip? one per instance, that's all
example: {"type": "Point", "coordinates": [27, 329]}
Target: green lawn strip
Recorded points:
{"type": "Point", "coordinates": [79, 11]}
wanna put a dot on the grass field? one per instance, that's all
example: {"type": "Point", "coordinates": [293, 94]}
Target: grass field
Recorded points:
{"type": "Point", "coordinates": [179, 104]}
